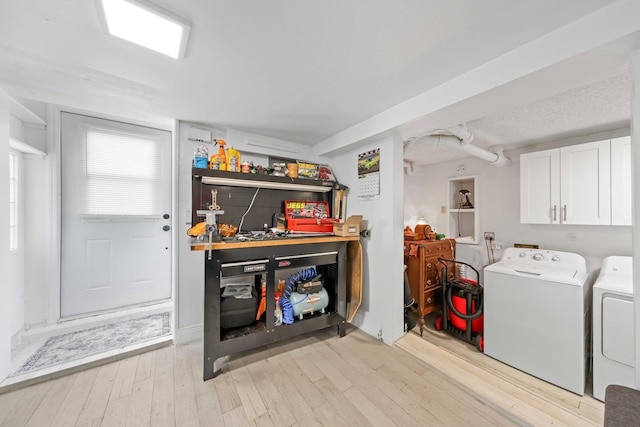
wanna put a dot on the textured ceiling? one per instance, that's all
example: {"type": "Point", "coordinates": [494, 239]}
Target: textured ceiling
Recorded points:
{"type": "Point", "coordinates": [601, 106]}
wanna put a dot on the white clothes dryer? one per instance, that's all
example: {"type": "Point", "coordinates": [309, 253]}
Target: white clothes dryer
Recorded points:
{"type": "Point", "coordinates": [536, 305]}
{"type": "Point", "coordinates": [613, 326]}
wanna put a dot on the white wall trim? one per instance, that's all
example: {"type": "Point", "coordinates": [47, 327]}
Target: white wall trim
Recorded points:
{"type": "Point", "coordinates": [175, 170]}
{"type": "Point", "coordinates": [189, 334]}
{"type": "Point", "coordinates": [53, 263]}
{"type": "Point", "coordinates": [635, 185]}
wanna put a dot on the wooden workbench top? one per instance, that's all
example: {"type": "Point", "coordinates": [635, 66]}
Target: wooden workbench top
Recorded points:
{"type": "Point", "coordinates": [204, 245]}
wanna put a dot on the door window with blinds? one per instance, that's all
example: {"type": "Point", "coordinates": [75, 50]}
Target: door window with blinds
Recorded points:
{"type": "Point", "coordinates": [120, 172]}
{"type": "Point", "coordinates": [115, 215]}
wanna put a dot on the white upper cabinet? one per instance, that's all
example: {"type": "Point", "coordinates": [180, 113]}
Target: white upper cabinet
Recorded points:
{"type": "Point", "coordinates": [588, 184]}
{"type": "Point", "coordinates": [621, 194]}
{"type": "Point", "coordinates": [540, 187]}
{"type": "Point", "coordinates": [585, 183]}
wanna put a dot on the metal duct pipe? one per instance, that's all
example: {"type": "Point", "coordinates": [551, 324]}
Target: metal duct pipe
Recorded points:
{"type": "Point", "coordinates": [408, 167]}
{"type": "Point", "coordinates": [461, 132]}
{"type": "Point", "coordinates": [460, 138]}
{"type": "Point", "coordinates": [495, 158]}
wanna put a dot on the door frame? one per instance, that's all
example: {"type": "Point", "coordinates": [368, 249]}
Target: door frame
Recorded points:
{"type": "Point", "coordinates": [54, 250]}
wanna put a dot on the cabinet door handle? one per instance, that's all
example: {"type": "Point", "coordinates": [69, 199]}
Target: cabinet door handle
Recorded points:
{"type": "Point", "coordinates": [554, 212]}
{"type": "Point", "coordinates": [564, 215]}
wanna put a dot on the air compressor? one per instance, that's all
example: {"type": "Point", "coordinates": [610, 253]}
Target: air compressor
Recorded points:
{"type": "Point", "coordinates": [303, 294]}
{"type": "Point", "coordinates": [309, 303]}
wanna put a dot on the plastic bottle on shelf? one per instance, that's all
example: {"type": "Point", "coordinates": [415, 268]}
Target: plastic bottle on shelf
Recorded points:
{"type": "Point", "coordinates": [277, 313]}
{"type": "Point", "coordinates": [233, 160]}
{"type": "Point", "coordinates": [200, 157]}
{"type": "Point", "coordinates": [219, 160]}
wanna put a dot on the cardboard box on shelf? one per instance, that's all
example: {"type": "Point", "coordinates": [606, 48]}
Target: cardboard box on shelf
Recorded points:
{"type": "Point", "coordinates": [351, 227]}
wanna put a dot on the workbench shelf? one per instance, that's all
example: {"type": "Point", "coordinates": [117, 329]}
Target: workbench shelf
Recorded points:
{"type": "Point", "coordinates": [236, 191]}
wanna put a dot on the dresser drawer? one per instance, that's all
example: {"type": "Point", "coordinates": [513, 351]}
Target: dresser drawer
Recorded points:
{"type": "Point", "coordinates": [432, 248]}
{"type": "Point", "coordinates": [432, 301]}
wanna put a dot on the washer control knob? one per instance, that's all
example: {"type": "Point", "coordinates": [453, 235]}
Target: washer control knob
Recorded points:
{"type": "Point", "coordinates": [522, 254]}
{"type": "Point", "coordinates": [555, 258]}
{"type": "Point", "coordinates": [538, 257]}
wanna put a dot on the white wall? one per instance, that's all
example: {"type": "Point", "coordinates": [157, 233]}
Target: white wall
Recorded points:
{"type": "Point", "coordinates": [499, 210]}
{"type": "Point", "coordinates": [37, 220]}
{"type": "Point", "coordinates": [635, 167]}
{"type": "Point", "coordinates": [5, 303]}
{"type": "Point", "coordinates": [37, 239]}
{"type": "Point", "coordinates": [189, 302]}
{"type": "Point", "coordinates": [27, 264]}
{"type": "Point", "coordinates": [381, 313]}
{"type": "Point", "coordinates": [16, 268]}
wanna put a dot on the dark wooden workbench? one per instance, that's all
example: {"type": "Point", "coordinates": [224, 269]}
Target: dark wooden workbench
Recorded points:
{"type": "Point", "coordinates": [261, 259]}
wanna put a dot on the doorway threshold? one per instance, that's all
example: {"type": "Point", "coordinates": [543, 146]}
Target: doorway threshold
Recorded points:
{"type": "Point", "coordinates": [78, 344]}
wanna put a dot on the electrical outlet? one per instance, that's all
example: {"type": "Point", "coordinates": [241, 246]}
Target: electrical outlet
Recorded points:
{"type": "Point", "coordinates": [489, 235]}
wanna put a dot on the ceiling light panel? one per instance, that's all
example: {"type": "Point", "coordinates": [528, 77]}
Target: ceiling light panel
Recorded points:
{"type": "Point", "coordinates": [145, 24]}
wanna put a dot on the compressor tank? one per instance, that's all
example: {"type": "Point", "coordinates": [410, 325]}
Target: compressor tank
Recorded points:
{"type": "Point", "coordinates": [309, 303]}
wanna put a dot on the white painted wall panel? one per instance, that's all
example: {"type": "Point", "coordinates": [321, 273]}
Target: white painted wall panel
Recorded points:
{"type": "Point", "coordinates": [383, 277]}
{"type": "Point", "coordinates": [5, 302]}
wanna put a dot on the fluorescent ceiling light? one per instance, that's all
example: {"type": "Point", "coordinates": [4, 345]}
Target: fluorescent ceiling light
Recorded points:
{"type": "Point", "coordinates": [146, 24]}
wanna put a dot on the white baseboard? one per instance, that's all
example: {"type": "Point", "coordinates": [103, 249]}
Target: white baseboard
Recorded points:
{"type": "Point", "coordinates": [188, 334]}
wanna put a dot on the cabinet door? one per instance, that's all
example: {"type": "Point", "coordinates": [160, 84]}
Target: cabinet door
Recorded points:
{"type": "Point", "coordinates": [621, 195]}
{"type": "Point", "coordinates": [585, 189]}
{"type": "Point", "coordinates": [540, 187]}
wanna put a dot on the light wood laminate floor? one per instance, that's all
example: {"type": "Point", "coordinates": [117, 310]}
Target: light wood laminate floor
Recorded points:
{"type": "Point", "coordinates": [318, 379]}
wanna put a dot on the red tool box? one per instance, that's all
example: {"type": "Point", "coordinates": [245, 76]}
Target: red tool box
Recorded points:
{"type": "Point", "coordinates": [308, 216]}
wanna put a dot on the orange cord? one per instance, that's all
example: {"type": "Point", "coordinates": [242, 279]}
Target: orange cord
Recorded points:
{"type": "Point", "coordinates": [262, 307]}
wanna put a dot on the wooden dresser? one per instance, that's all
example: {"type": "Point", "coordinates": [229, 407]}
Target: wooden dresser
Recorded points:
{"type": "Point", "coordinates": [424, 272]}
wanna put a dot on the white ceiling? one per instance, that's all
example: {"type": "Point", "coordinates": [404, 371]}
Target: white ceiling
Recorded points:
{"type": "Point", "coordinates": [304, 71]}
{"type": "Point", "coordinates": [599, 107]}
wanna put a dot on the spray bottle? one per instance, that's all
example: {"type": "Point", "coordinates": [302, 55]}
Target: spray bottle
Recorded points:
{"type": "Point", "coordinates": [219, 160]}
{"type": "Point", "coordinates": [233, 160]}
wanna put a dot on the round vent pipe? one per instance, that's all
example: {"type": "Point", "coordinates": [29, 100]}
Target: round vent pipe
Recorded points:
{"type": "Point", "coordinates": [459, 138]}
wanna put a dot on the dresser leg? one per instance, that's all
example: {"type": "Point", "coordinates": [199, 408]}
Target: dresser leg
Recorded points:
{"type": "Point", "coordinates": [421, 324]}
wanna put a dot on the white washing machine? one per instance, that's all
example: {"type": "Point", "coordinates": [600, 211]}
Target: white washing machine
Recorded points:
{"type": "Point", "coordinates": [536, 313]}
{"type": "Point", "coordinates": [613, 327]}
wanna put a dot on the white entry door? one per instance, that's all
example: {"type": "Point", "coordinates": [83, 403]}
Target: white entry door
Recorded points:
{"type": "Point", "coordinates": [116, 201]}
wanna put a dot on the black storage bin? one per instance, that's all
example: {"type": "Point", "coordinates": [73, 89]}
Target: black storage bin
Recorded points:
{"type": "Point", "coordinates": [236, 312]}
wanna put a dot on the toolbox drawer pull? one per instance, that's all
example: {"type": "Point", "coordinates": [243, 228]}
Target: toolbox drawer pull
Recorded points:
{"type": "Point", "coordinates": [235, 264]}
{"type": "Point", "coordinates": [280, 258]}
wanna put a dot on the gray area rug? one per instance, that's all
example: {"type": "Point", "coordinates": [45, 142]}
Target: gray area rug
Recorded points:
{"type": "Point", "coordinates": [80, 344]}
